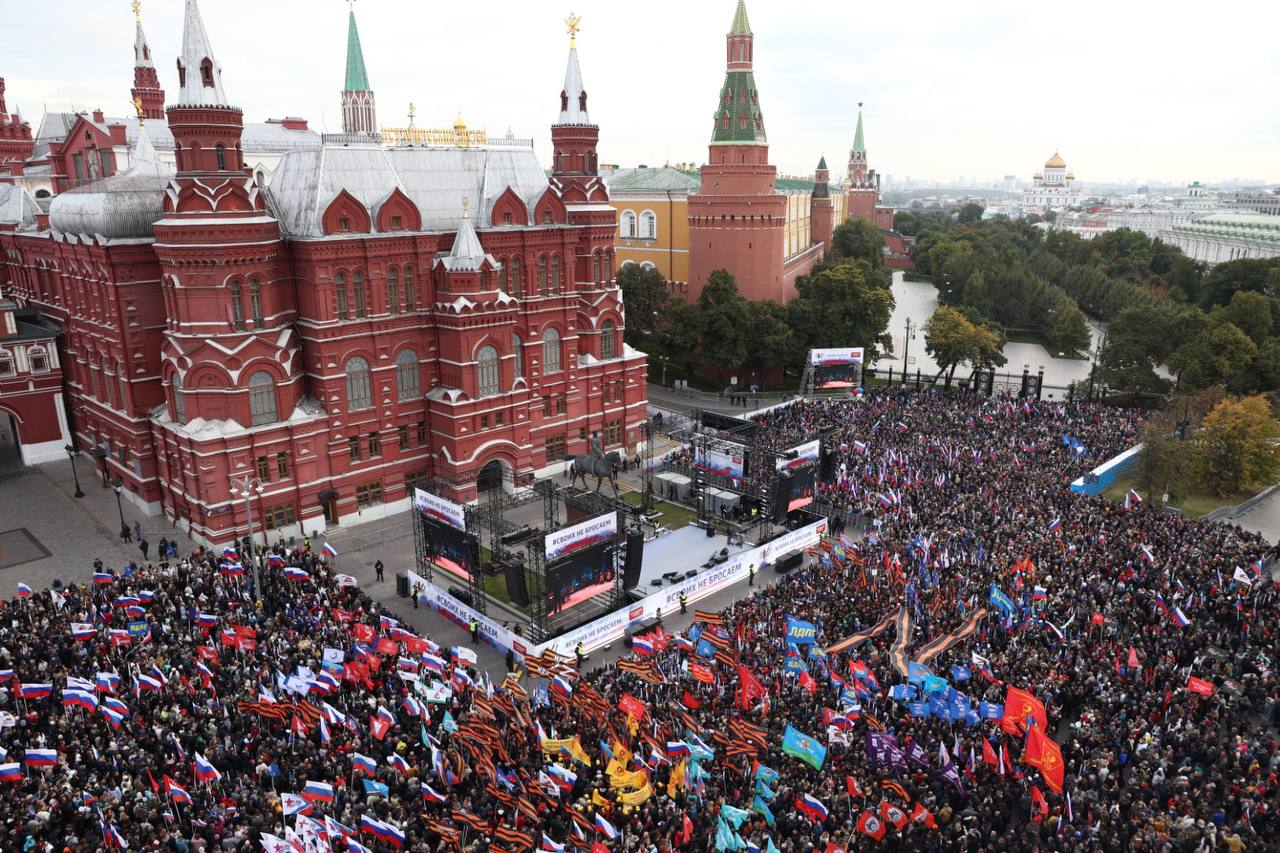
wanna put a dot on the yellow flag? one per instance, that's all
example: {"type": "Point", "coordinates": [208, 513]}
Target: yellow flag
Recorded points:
{"type": "Point", "coordinates": [677, 780]}
{"type": "Point", "coordinates": [600, 800]}
{"type": "Point", "coordinates": [635, 798]}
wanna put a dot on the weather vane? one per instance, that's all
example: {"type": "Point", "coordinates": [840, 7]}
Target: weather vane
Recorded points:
{"type": "Point", "coordinates": [573, 22]}
{"type": "Point", "coordinates": [136, 5]}
{"type": "Point", "coordinates": [137, 106]}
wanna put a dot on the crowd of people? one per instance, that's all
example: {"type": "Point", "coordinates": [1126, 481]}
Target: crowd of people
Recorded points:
{"type": "Point", "coordinates": [182, 714]}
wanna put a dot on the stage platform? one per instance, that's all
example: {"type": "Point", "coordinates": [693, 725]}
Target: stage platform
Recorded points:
{"type": "Point", "coordinates": [680, 551]}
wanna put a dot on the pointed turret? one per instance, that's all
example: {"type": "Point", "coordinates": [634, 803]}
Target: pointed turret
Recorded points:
{"type": "Point", "coordinates": [822, 180]}
{"type": "Point", "coordinates": [859, 147]}
{"type": "Point", "coordinates": [857, 174]}
{"type": "Point", "coordinates": [358, 111]}
{"type": "Point", "coordinates": [573, 97]}
{"type": "Point", "coordinates": [199, 75]}
{"type": "Point", "coordinates": [573, 136]}
{"type": "Point", "coordinates": [821, 207]}
{"type": "Point", "coordinates": [147, 96]}
{"type": "Point", "coordinates": [467, 253]}
{"type": "Point", "coordinates": [739, 119]}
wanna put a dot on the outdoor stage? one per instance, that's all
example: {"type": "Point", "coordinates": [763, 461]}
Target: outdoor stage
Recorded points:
{"type": "Point", "coordinates": [680, 551]}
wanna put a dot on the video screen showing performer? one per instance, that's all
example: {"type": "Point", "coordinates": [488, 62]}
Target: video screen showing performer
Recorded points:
{"type": "Point", "coordinates": [580, 575]}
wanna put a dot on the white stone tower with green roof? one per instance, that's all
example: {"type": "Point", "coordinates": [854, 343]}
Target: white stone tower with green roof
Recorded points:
{"type": "Point", "coordinates": [737, 220]}
{"type": "Point", "coordinates": [359, 114]}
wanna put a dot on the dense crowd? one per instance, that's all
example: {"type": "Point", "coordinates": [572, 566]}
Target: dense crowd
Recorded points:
{"type": "Point", "coordinates": [312, 720]}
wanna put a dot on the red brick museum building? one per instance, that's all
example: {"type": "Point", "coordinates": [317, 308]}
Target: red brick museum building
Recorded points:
{"type": "Point", "coordinates": [374, 317]}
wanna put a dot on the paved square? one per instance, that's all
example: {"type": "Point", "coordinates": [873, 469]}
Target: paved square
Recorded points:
{"type": "Point", "coordinates": [18, 546]}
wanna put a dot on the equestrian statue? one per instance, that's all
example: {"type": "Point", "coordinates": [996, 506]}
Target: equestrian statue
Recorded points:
{"type": "Point", "coordinates": [597, 463]}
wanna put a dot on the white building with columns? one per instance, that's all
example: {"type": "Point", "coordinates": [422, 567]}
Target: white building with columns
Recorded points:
{"type": "Point", "coordinates": [1221, 237]}
{"type": "Point", "coordinates": [1053, 189]}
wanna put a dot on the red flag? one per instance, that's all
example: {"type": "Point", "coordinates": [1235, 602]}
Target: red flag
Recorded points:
{"type": "Point", "coordinates": [851, 785]}
{"type": "Point", "coordinates": [701, 673]}
{"type": "Point", "coordinates": [362, 633]}
{"type": "Point", "coordinates": [1037, 798]}
{"type": "Point", "coordinates": [155, 786]}
{"type": "Point", "coordinates": [690, 701]}
{"type": "Point", "coordinates": [1018, 704]}
{"type": "Point", "coordinates": [807, 682]}
{"type": "Point", "coordinates": [1133, 658]}
{"type": "Point", "coordinates": [922, 815]}
{"type": "Point", "coordinates": [989, 754]}
{"type": "Point", "coordinates": [387, 646]}
{"type": "Point", "coordinates": [686, 833]}
{"type": "Point", "coordinates": [750, 688]}
{"type": "Point", "coordinates": [1050, 754]}
{"type": "Point", "coordinates": [378, 726]}
{"type": "Point", "coordinates": [869, 824]}
{"type": "Point", "coordinates": [629, 704]}
{"type": "Point", "coordinates": [1098, 619]}
{"type": "Point", "coordinates": [832, 847]}
{"type": "Point", "coordinates": [1199, 685]}
{"type": "Point", "coordinates": [893, 815]}
{"type": "Point", "coordinates": [599, 848]}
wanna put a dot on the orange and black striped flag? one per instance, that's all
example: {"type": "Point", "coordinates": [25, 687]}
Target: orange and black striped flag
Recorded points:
{"type": "Point", "coordinates": [522, 840]}
{"type": "Point", "coordinates": [690, 723]}
{"type": "Point", "coordinates": [742, 747]}
{"type": "Point", "coordinates": [708, 617]}
{"type": "Point", "coordinates": [470, 819]}
{"type": "Point", "coordinates": [449, 834]}
{"type": "Point", "coordinates": [727, 658]}
{"type": "Point", "coordinates": [749, 731]}
{"type": "Point", "coordinates": [500, 795]}
{"type": "Point", "coordinates": [890, 785]}
{"type": "Point", "coordinates": [526, 807]}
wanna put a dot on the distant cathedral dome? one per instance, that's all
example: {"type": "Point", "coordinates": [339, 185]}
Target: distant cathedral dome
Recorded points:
{"type": "Point", "coordinates": [1055, 162]}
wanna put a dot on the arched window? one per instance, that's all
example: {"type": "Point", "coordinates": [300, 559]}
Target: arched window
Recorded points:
{"type": "Point", "coordinates": [393, 290]}
{"type": "Point", "coordinates": [504, 277]}
{"type": "Point", "coordinates": [517, 347]}
{"type": "Point", "coordinates": [517, 277]}
{"type": "Point", "coordinates": [648, 225]}
{"type": "Point", "coordinates": [595, 267]}
{"type": "Point", "coordinates": [628, 225]}
{"type": "Point", "coordinates": [179, 401]}
{"type": "Point", "coordinates": [559, 159]}
{"type": "Point", "coordinates": [262, 398]}
{"type": "Point", "coordinates": [407, 375]}
{"type": "Point", "coordinates": [551, 351]}
{"type": "Point", "coordinates": [608, 267]}
{"type": "Point", "coordinates": [6, 363]}
{"type": "Point", "coordinates": [122, 384]}
{"type": "Point", "coordinates": [237, 307]}
{"type": "Point", "coordinates": [359, 395]}
{"type": "Point", "coordinates": [221, 153]}
{"type": "Point", "coordinates": [38, 357]}
{"type": "Point", "coordinates": [488, 371]}
{"type": "Point", "coordinates": [206, 73]}
{"type": "Point", "coordinates": [591, 161]}
{"type": "Point", "coordinates": [542, 275]}
{"type": "Point", "coordinates": [340, 288]}
{"type": "Point", "coordinates": [255, 303]}
{"type": "Point", "coordinates": [357, 284]}
{"type": "Point", "coordinates": [409, 303]}
{"type": "Point", "coordinates": [608, 340]}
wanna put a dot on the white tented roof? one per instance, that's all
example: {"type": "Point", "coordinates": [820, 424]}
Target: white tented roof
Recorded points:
{"type": "Point", "coordinates": [436, 179]}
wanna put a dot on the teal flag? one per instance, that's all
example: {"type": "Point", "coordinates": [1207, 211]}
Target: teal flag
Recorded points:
{"type": "Point", "coordinates": [761, 807]}
{"type": "Point", "coordinates": [733, 816]}
{"type": "Point", "coordinates": [802, 747]}
{"type": "Point", "coordinates": [448, 723]}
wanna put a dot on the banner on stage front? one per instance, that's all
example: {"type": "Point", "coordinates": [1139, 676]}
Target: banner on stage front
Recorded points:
{"type": "Point", "coordinates": [804, 454]}
{"type": "Point", "coordinates": [440, 508]}
{"type": "Point", "coordinates": [819, 357]}
{"type": "Point", "coordinates": [582, 535]}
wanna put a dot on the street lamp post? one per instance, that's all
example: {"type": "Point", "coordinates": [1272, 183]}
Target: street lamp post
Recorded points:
{"type": "Point", "coordinates": [248, 486]}
{"type": "Point", "coordinates": [906, 349]}
{"type": "Point", "coordinates": [72, 453]}
{"type": "Point", "coordinates": [116, 486]}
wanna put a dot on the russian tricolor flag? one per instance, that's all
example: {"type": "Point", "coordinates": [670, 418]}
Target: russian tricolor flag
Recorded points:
{"type": "Point", "coordinates": [229, 552]}
{"type": "Point", "coordinates": [605, 828]}
{"type": "Point", "coordinates": [35, 691]}
{"type": "Point", "coordinates": [114, 717]}
{"type": "Point", "coordinates": [317, 792]}
{"type": "Point", "coordinates": [115, 705]}
{"type": "Point", "coordinates": [561, 686]}
{"type": "Point", "coordinates": [1055, 525]}
{"type": "Point", "coordinates": [177, 793]}
{"type": "Point", "coordinates": [1179, 618]}
{"type": "Point", "coordinates": [24, 591]}
{"type": "Point", "coordinates": [399, 764]}
{"type": "Point", "coordinates": [204, 769]}
{"type": "Point", "coordinates": [382, 831]}
{"type": "Point", "coordinates": [146, 682]}
{"type": "Point", "coordinates": [812, 808]}
{"type": "Point", "coordinates": [332, 552]}
{"type": "Point", "coordinates": [232, 569]}
{"type": "Point", "coordinates": [1147, 555]}
{"type": "Point", "coordinates": [293, 573]}
{"type": "Point", "coordinates": [41, 757]}
{"type": "Point", "coordinates": [206, 620]}
{"type": "Point", "coordinates": [72, 698]}
{"type": "Point", "coordinates": [435, 663]}
{"type": "Point", "coordinates": [641, 645]}
{"type": "Point", "coordinates": [11, 772]}
{"type": "Point", "coordinates": [677, 747]}
{"type": "Point", "coordinates": [430, 795]}
{"type": "Point", "coordinates": [82, 631]}
{"type": "Point", "coordinates": [1039, 593]}
{"type": "Point", "coordinates": [275, 561]}
{"type": "Point", "coordinates": [103, 577]}
{"type": "Point", "coordinates": [363, 764]}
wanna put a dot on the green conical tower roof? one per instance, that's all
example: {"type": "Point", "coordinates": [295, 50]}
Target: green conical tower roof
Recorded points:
{"type": "Point", "coordinates": [738, 119]}
{"type": "Point", "coordinates": [741, 26]}
{"type": "Point", "coordinates": [357, 78]}
{"type": "Point", "coordinates": [822, 164]}
{"type": "Point", "coordinates": [859, 147]}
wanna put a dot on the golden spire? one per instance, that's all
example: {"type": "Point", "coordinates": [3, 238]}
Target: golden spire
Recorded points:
{"type": "Point", "coordinates": [136, 5]}
{"type": "Point", "coordinates": [573, 22]}
{"type": "Point", "coordinates": [411, 114]}
{"type": "Point", "coordinates": [466, 214]}
{"type": "Point", "coordinates": [137, 107]}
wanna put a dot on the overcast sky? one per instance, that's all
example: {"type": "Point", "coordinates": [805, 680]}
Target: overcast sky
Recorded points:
{"type": "Point", "coordinates": [1127, 89]}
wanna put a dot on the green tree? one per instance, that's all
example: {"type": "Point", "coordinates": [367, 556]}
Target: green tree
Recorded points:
{"type": "Point", "coordinates": [970, 213]}
{"type": "Point", "coordinates": [772, 340]}
{"type": "Point", "coordinates": [858, 239]}
{"type": "Point", "coordinates": [1224, 280]}
{"type": "Point", "coordinates": [644, 292]}
{"type": "Point", "coordinates": [1235, 446]}
{"type": "Point", "coordinates": [1068, 332]}
{"type": "Point", "coordinates": [725, 322]}
{"type": "Point", "coordinates": [1164, 462]}
{"type": "Point", "coordinates": [1264, 373]}
{"type": "Point", "coordinates": [678, 334]}
{"type": "Point", "coordinates": [841, 306]}
{"type": "Point", "coordinates": [1248, 310]}
{"type": "Point", "coordinates": [953, 339]}
{"type": "Point", "coordinates": [906, 222]}
{"type": "Point", "coordinates": [1216, 357]}
{"type": "Point", "coordinates": [1125, 254]}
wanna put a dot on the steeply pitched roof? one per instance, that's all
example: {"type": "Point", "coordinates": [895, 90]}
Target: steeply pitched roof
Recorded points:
{"type": "Point", "coordinates": [196, 49]}
{"type": "Point", "coordinates": [141, 53]}
{"type": "Point", "coordinates": [741, 26]}
{"type": "Point", "coordinates": [575, 110]}
{"type": "Point", "coordinates": [740, 101]}
{"type": "Point", "coordinates": [859, 147]}
{"type": "Point", "coordinates": [357, 77]}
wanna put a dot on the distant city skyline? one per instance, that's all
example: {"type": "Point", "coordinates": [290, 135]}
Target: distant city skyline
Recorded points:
{"type": "Point", "coordinates": [1124, 95]}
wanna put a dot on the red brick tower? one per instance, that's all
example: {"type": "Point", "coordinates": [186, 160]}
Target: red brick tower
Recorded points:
{"type": "Point", "coordinates": [231, 356]}
{"type": "Point", "coordinates": [737, 221]}
{"type": "Point", "coordinates": [821, 210]}
{"type": "Point", "coordinates": [15, 138]}
{"type": "Point", "coordinates": [148, 97]}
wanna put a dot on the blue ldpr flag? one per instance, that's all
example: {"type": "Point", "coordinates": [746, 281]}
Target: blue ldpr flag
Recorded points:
{"type": "Point", "coordinates": [800, 631]}
{"type": "Point", "coordinates": [705, 649]}
{"type": "Point", "coordinates": [1002, 602]}
{"type": "Point", "coordinates": [902, 692]}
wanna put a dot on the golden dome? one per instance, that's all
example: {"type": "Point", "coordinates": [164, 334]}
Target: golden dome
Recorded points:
{"type": "Point", "coordinates": [459, 124]}
{"type": "Point", "coordinates": [1055, 162]}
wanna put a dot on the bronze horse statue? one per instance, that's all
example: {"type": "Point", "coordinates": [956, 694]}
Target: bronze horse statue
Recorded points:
{"type": "Point", "coordinates": [601, 466]}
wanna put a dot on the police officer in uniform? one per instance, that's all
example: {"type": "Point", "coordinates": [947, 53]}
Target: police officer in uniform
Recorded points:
{"type": "Point", "coordinates": [580, 652]}
{"type": "Point", "coordinates": [751, 575]}
{"type": "Point", "coordinates": [684, 601]}
{"type": "Point", "coordinates": [475, 630]}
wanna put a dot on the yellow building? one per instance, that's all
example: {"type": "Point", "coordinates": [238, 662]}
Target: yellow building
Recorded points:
{"type": "Point", "coordinates": [653, 217]}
